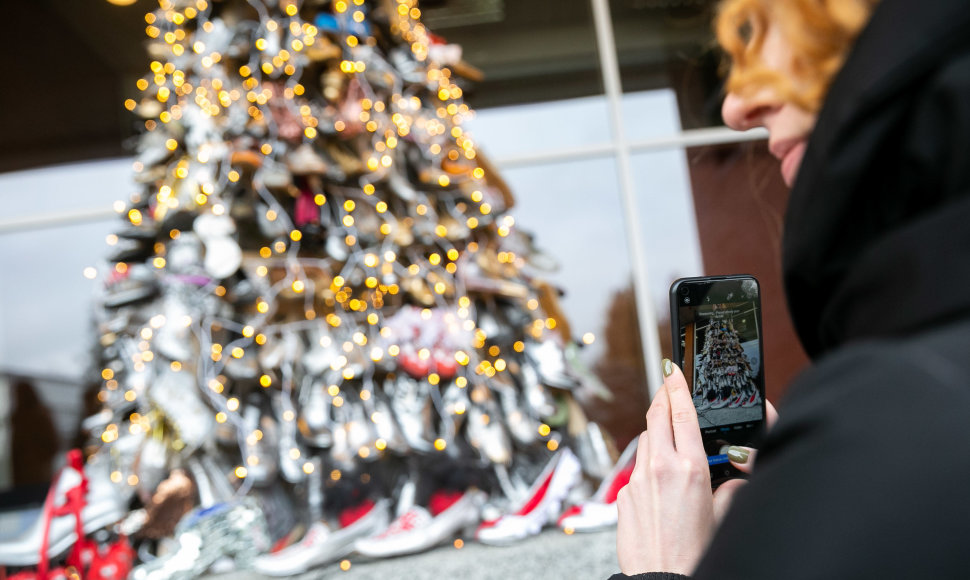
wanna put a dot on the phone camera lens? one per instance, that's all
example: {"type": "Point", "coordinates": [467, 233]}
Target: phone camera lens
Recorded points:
{"type": "Point", "coordinates": [684, 290]}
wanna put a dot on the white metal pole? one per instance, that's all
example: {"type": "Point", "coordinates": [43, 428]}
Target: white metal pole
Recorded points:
{"type": "Point", "coordinates": [611, 83]}
{"type": "Point", "coordinates": [53, 220]}
{"type": "Point", "coordinates": [688, 138]}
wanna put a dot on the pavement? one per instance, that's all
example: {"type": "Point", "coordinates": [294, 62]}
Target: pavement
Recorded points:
{"type": "Point", "coordinates": [552, 554]}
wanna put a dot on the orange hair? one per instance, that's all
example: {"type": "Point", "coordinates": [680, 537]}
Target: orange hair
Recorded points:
{"type": "Point", "coordinates": [820, 33]}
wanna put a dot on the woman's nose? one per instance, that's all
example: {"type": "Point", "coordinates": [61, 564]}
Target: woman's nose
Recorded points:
{"type": "Point", "coordinates": [742, 113]}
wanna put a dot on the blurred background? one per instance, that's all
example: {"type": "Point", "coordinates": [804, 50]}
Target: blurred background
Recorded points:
{"type": "Point", "coordinates": [602, 116]}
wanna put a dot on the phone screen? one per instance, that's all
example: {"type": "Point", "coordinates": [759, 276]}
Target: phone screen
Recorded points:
{"type": "Point", "coordinates": [716, 323]}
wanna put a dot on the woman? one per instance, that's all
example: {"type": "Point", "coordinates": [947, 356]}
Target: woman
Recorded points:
{"type": "Point", "coordinates": [866, 473]}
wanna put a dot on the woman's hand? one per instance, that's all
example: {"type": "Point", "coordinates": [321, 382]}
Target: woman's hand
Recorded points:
{"type": "Point", "coordinates": [742, 458]}
{"type": "Point", "coordinates": [666, 512]}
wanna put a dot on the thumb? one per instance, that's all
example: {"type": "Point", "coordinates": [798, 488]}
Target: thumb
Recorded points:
{"type": "Point", "coordinates": [742, 457]}
{"type": "Point", "coordinates": [725, 495]}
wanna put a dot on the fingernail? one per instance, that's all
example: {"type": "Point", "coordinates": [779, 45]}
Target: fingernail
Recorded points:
{"type": "Point", "coordinates": [668, 367]}
{"type": "Point", "coordinates": [738, 454]}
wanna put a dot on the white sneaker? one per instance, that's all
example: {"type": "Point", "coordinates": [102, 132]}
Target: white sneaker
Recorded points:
{"type": "Point", "coordinates": [542, 504]}
{"type": "Point", "coordinates": [417, 530]}
{"type": "Point", "coordinates": [322, 545]}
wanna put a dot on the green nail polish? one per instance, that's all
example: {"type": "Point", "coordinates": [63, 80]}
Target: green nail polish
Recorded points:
{"type": "Point", "coordinates": [668, 367]}
{"type": "Point", "coordinates": [738, 454]}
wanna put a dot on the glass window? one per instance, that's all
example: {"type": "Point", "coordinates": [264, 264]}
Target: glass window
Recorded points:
{"type": "Point", "coordinates": [508, 133]}
{"type": "Point", "coordinates": [670, 45]}
{"type": "Point", "coordinates": [576, 214]}
{"type": "Point", "coordinates": [667, 220]}
{"type": "Point", "coordinates": [573, 210]}
{"type": "Point", "coordinates": [46, 300]}
{"type": "Point", "coordinates": [650, 115]}
{"type": "Point", "coordinates": [528, 50]}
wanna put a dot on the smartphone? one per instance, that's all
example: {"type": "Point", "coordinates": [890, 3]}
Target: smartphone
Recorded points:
{"type": "Point", "coordinates": [717, 341]}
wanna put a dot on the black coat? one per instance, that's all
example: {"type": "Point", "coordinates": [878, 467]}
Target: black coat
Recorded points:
{"type": "Point", "coordinates": [867, 473]}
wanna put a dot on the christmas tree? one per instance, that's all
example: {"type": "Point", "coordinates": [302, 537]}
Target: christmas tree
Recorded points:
{"type": "Point", "coordinates": [322, 330]}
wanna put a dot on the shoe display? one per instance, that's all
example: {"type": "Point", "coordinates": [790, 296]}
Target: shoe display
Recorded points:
{"type": "Point", "coordinates": [316, 294]}
{"type": "Point", "coordinates": [541, 506]}
{"type": "Point", "coordinates": [177, 396]}
{"type": "Point", "coordinates": [419, 528]}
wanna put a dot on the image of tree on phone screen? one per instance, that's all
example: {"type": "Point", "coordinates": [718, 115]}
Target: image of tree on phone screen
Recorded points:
{"type": "Point", "coordinates": [726, 364]}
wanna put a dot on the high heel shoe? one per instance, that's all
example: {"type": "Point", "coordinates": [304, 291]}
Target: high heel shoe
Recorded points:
{"type": "Point", "coordinates": [541, 506]}
{"type": "Point", "coordinates": [599, 511]}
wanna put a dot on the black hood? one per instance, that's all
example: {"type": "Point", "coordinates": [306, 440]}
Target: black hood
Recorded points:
{"type": "Point", "coordinates": [877, 234]}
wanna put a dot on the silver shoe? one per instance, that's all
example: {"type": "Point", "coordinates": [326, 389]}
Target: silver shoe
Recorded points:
{"type": "Point", "coordinates": [175, 393]}
{"type": "Point", "coordinates": [550, 362]}
{"type": "Point", "coordinates": [485, 431]}
{"type": "Point", "coordinates": [291, 455]}
{"type": "Point", "coordinates": [412, 409]}
{"type": "Point", "coordinates": [385, 423]}
{"type": "Point", "coordinates": [523, 427]}
{"type": "Point", "coordinates": [316, 423]}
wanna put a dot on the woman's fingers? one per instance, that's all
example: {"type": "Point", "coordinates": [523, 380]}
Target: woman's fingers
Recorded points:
{"type": "Point", "coordinates": [725, 495]}
{"type": "Point", "coordinates": [683, 415]}
{"type": "Point", "coordinates": [742, 457]}
{"type": "Point", "coordinates": [666, 511]}
{"type": "Point", "coordinates": [659, 430]}
{"type": "Point", "coordinates": [771, 415]}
